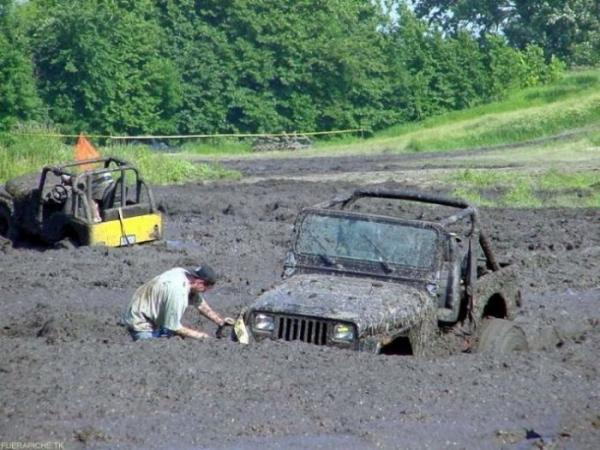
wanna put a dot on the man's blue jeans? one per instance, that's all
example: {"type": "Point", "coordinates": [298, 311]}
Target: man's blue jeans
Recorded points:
{"type": "Point", "coordinates": [156, 333]}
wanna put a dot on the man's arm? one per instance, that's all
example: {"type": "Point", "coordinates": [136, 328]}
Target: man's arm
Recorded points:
{"type": "Point", "coordinates": [190, 333]}
{"type": "Point", "coordinates": [210, 314]}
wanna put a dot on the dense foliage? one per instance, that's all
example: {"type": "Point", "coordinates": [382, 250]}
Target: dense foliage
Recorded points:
{"type": "Point", "coordinates": [18, 96]}
{"type": "Point", "coordinates": [185, 66]}
{"type": "Point", "coordinates": [567, 29]}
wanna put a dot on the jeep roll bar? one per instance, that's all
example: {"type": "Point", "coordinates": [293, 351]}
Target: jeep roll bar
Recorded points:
{"type": "Point", "coordinates": [119, 166]}
{"type": "Point", "coordinates": [466, 211]}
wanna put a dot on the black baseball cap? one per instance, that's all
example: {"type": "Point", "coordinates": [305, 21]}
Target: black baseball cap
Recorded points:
{"type": "Point", "coordinates": [204, 272]}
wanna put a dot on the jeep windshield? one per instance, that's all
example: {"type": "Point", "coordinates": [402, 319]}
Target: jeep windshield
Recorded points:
{"type": "Point", "coordinates": [334, 238]}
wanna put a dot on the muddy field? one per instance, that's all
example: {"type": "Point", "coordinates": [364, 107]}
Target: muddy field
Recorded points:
{"type": "Point", "coordinates": [70, 374]}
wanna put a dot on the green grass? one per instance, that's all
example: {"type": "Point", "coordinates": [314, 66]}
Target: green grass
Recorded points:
{"type": "Point", "coordinates": [23, 154]}
{"type": "Point", "coordinates": [595, 139]}
{"type": "Point", "coordinates": [29, 153]}
{"type": "Point", "coordinates": [160, 168]}
{"type": "Point", "coordinates": [514, 127]}
{"type": "Point", "coordinates": [528, 190]}
{"type": "Point", "coordinates": [536, 112]}
{"type": "Point", "coordinates": [340, 140]}
{"type": "Point", "coordinates": [553, 180]}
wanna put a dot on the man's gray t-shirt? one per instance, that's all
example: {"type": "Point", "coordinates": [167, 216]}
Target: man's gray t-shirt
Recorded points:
{"type": "Point", "coordinates": [160, 302]}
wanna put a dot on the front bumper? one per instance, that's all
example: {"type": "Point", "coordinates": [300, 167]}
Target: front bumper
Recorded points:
{"type": "Point", "coordinates": [128, 231]}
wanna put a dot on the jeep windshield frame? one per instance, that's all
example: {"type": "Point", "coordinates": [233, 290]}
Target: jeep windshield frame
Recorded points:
{"type": "Point", "coordinates": [349, 242]}
{"type": "Point", "coordinates": [465, 211]}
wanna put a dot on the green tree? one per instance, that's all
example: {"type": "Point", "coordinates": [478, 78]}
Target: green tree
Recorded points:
{"type": "Point", "coordinates": [18, 96]}
{"type": "Point", "coordinates": [504, 67]}
{"type": "Point", "coordinates": [277, 65]}
{"type": "Point", "coordinates": [432, 73]}
{"type": "Point", "coordinates": [185, 66]}
{"type": "Point", "coordinates": [101, 68]}
{"type": "Point", "coordinates": [567, 29]}
{"type": "Point", "coordinates": [487, 16]}
{"type": "Point", "coordinates": [200, 51]}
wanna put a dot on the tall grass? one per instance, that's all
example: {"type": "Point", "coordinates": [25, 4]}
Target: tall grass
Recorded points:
{"type": "Point", "coordinates": [160, 168]}
{"type": "Point", "coordinates": [30, 152]}
{"type": "Point", "coordinates": [536, 112]}
{"type": "Point", "coordinates": [20, 154]}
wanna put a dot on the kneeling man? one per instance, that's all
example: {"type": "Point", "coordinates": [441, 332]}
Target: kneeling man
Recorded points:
{"type": "Point", "coordinates": [157, 306]}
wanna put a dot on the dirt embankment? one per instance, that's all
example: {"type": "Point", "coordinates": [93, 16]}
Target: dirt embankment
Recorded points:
{"type": "Point", "coordinates": [70, 373]}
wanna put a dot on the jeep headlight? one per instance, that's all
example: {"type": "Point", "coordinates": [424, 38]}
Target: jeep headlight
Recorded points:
{"type": "Point", "coordinates": [343, 332]}
{"type": "Point", "coordinates": [263, 322]}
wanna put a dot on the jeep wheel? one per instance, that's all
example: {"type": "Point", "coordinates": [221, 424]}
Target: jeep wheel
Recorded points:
{"type": "Point", "coordinates": [66, 244]}
{"type": "Point", "coordinates": [501, 336]}
{"type": "Point", "coordinates": [5, 219]}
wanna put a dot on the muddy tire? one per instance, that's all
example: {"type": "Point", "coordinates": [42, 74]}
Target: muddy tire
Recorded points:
{"type": "Point", "coordinates": [5, 220]}
{"type": "Point", "coordinates": [163, 207]}
{"type": "Point", "coordinates": [8, 228]}
{"type": "Point", "coordinates": [501, 336]}
{"type": "Point", "coordinates": [66, 244]}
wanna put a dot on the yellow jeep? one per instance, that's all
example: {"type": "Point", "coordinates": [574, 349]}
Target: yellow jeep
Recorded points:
{"type": "Point", "coordinates": [101, 201]}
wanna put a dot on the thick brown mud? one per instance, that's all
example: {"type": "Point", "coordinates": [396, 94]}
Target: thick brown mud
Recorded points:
{"type": "Point", "coordinates": [70, 373]}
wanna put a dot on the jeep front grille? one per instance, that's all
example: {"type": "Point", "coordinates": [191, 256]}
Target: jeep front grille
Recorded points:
{"type": "Point", "coordinates": [311, 331]}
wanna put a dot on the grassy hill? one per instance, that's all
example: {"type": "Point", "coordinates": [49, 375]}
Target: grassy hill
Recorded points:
{"type": "Point", "coordinates": [571, 103]}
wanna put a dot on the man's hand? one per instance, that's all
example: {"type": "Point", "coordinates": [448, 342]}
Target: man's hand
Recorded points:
{"type": "Point", "coordinates": [227, 321]}
{"type": "Point", "coordinates": [209, 313]}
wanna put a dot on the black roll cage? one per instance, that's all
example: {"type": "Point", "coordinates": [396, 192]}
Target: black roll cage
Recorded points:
{"type": "Point", "coordinates": [466, 211]}
{"type": "Point", "coordinates": [83, 179]}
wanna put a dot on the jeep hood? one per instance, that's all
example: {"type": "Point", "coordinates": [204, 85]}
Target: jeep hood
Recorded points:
{"type": "Point", "coordinates": [374, 306]}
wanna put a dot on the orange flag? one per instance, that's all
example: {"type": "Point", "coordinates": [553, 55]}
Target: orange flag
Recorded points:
{"type": "Point", "coordinates": [84, 150]}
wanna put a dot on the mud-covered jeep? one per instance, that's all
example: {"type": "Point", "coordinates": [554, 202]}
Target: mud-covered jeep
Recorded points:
{"type": "Point", "coordinates": [387, 284]}
{"type": "Point", "coordinates": [101, 201]}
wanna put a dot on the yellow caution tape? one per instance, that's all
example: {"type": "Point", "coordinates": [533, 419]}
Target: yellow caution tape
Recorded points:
{"type": "Point", "coordinates": [190, 136]}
